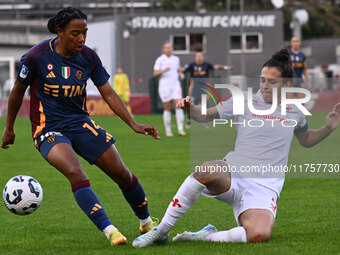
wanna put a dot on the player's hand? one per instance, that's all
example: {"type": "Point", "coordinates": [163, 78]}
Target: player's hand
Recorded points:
{"type": "Point", "coordinates": [184, 103]}
{"type": "Point", "coordinates": [8, 137]}
{"type": "Point", "coordinates": [181, 76]}
{"type": "Point", "coordinates": [333, 118]}
{"type": "Point", "coordinates": [166, 69]}
{"type": "Point", "coordinates": [181, 69]}
{"type": "Point", "coordinates": [146, 130]}
{"type": "Point", "coordinates": [231, 68]}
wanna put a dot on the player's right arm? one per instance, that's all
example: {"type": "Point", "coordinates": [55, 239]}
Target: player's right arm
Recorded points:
{"type": "Point", "coordinates": [195, 112]}
{"type": "Point", "coordinates": [157, 68]}
{"type": "Point", "coordinates": [14, 104]}
{"type": "Point", "coordinates": [157, 73]}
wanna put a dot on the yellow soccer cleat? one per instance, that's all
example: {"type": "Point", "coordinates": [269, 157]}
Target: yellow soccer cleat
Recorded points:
{"type": "Point", "coordinates": [116, 238]}
{"type": "Point", "coordinates": [148, 226]}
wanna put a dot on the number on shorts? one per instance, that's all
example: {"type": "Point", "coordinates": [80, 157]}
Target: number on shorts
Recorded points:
{"type": "Point", "coordinates": [86, 125]}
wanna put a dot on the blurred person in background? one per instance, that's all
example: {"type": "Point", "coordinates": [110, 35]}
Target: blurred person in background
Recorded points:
{"type": "Point", "coordinates": [299, 64]}
{"type": "Point", "coordinates": [199, 75]}
{"type": "Point", "coordinates": [167, 68]}
{"type": "Point", "coordinates": [122, 86]}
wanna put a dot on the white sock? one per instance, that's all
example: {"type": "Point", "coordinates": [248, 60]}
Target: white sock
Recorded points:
{"type": "Point", "coordinates": [167, 120]}
{"type": "Point", "coordinates": [145, 221]}
{"type": "Point", "coordinates": [185, 197]}
{"type": "Point", "coordinates": [234, 235]}
{"type": "Point", "coordinates": [108, 230]}
{"type": "Point", "coordinates": [180, 119]}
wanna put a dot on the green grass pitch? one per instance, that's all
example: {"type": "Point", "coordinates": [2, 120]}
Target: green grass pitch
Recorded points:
{"type": "Point", "coordinates": [307, 222]}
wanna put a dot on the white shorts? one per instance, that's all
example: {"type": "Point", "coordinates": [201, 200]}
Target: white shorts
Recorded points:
{"type": "Point", "coordinates": [245, 194]}
{"type": "Point", "coordinates": [169, 92]}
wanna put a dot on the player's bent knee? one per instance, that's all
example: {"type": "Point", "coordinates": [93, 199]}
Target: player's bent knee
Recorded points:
{"type": "Point", "coordinates": [206, 181]}
{"type": "Point", "coordinates": [258, 236]}
{"type": "Point", "coordinates": [211, 172]}
{"type": "Point", "coordinates": [204, 178]}
{"type": "Point", "coordinates": [126, 176]}
{"type": "Point", "coordinates": [123, 176]}
{"type": "Point", "coordinates": [76, 174]}
{"type": "Point", "coordinates": [129, 185]}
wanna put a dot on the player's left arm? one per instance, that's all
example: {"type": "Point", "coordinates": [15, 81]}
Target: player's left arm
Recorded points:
{"type": "Point", "coordinates": [118, 106]}
{"type": "Point", "coordinates": [195, 111]}
{"type": "Point", "coordinates": [305, 73]}
{"type": "Point", "coordinates": [314, 136]}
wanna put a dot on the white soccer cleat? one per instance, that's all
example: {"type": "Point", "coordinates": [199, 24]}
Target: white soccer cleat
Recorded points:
{"type": "Point", "coordinates": [169, 134]}
{"type": "Point", "coordinates": [182, 133]}
{"type": "Point", "coordinates": [149, 238]}
{"type": "Point", "coordinates": [195, 236]}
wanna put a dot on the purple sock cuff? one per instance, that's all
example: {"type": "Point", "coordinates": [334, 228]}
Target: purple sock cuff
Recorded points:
{"type": "Point", "coordinates": [81, 184]}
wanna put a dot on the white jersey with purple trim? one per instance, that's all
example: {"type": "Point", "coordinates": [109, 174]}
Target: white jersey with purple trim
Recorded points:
{"type": "Point", "coordinates": [170, 77]}
{"type": "Point", "coordinates": [262, 152]}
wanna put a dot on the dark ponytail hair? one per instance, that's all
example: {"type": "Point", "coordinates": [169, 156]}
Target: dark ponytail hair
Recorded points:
{"type": "Point", "coordinates": [281, 60]}
{"type": "Point", "coordinates": [63, 17]}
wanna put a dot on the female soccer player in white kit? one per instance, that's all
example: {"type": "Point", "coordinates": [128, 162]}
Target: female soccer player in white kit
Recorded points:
{"type": "Point", "coordinates": [253, 199]}
{"type": "Point", "coordinates": [167, 67]}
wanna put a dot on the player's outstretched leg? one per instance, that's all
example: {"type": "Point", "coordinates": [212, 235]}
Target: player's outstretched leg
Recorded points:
{"type": "Point", "coordinates": [185, 197]}
{"type": "Point", "coordinates": [210, 233]}
{"type": "Point", "coordinates": [257, 226]}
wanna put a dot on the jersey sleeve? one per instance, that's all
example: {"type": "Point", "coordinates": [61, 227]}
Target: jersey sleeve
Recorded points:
{"type": "Point", "coordinates": [157, 66]}
{"type": "Point", "coordinates": [225, 109]}
{"type": "Point", "coordinates": [210, 66]}
{"type": "Point", "coordinates": [26, 69]}
{"type": "Point", "coordinates": [188, 68]}
{"type": "Point", "coordinates": [302, 125]}
{"type": "Point", "coordinates": [99, 75]}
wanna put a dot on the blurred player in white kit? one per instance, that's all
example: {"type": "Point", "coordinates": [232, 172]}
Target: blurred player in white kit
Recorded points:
{"type": "Point", "coordinates": [167, 68]}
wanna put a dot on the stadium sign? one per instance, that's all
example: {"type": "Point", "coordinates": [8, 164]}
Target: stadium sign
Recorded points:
{"type": "Point", "coordinates": [207, 21]}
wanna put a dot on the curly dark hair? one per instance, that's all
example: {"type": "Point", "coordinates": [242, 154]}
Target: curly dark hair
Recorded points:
{"type": "Point", "coordinates": [281, 60]}
{"type": "Point", "coordinates": [63, 17]}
